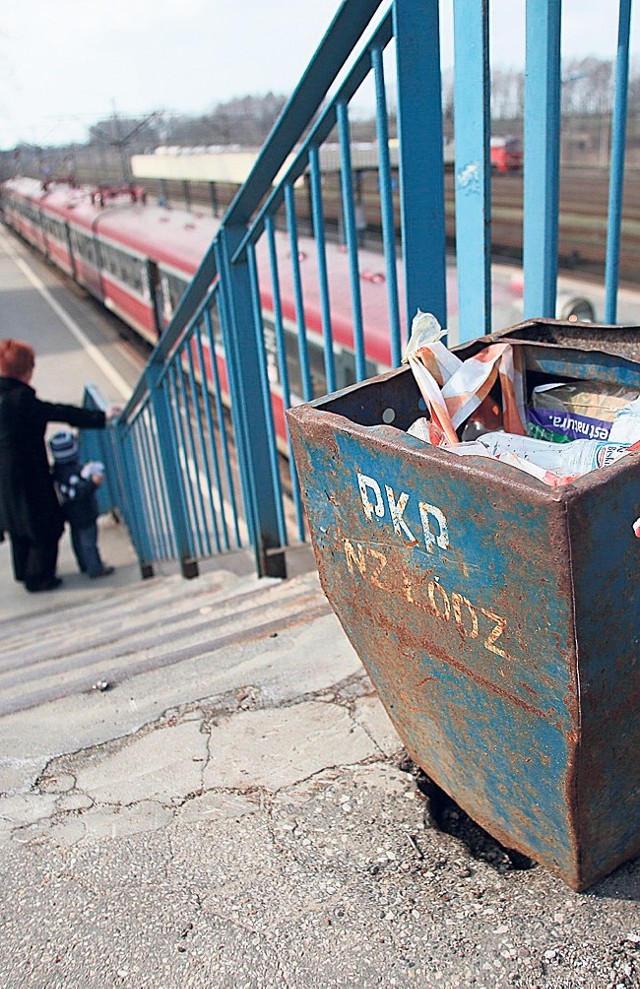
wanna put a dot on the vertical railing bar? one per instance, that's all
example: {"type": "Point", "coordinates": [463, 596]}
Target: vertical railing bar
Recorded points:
{"type": "Point", "coordinates": [193, 415]}
{"type": "Point", "coordinates": [127, 489]}
{"type": "Point", "coordinates": [386, 206]}
{"type": "Point", "coordinates": [472, 167]}
{"type": "Point", "coordinates": [181, 412]}
{"type": "Point", "coordinates": [120, 497]}
{"type": "Point", "coordinates": [141, 482]}
{"type": "Point", "coordinates": [317, 213]}
{"type": "Point", "coordinates": [167, 443]}
{"type": "Point", "coordinates": [234, 385]}
{"type": "Point", "coordinates": [165, 536]}
{"type": "Point", "coordinates": [177, 442]}
{"type": "Point", "coordinates": [303, 352]}
{"type": "Point", "coordinates": [222, 427]}
{"type": "Point", "coordinates": [268, 408]}
{"type": "Point", "coordinates": [248, 408]}
{"type": "Point", "coordinates": [616, 175]}
{"type": "Point", "coordinates": [351, 237]}
{"type": "Point", "coordinates": [416, 26]}
{"type": "Point", "coordinates": [138, 468]}
{"type": "Point", "coordinates": [137, 522]}
{"type": "Point", "coordinates": [150, 507]}
{"type": "Point", "coordinates": [206, 402]}
{"type": "Point", "coordinates": [278, 322]}
{"type": "Point", "coordinates": [283, 369]}
{"type": "Point", "coordinates": [197, 415]}
{"type": "Point", "coordinates": [542, 157]}
{"type": "Point", "coordinates": [169, 540]}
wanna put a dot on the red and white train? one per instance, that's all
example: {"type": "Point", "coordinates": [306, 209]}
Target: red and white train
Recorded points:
{"type": "Point", "coordinates": [137, 258]}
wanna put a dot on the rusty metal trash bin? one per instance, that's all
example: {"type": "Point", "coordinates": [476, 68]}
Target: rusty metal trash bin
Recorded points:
{"type": "Point", "coordinates": [497, 618]}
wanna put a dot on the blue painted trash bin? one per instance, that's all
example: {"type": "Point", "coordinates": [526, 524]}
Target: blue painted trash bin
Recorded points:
{"type": "Point", "coordinates": [498, 618]}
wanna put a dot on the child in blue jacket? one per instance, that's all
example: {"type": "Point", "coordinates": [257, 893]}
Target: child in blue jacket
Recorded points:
{"type": "Point", "coordinates": [76, 487]}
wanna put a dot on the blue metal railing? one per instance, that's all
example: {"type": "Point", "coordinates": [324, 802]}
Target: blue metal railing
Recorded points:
{"type": "Point", "coordinates": [198, 449]}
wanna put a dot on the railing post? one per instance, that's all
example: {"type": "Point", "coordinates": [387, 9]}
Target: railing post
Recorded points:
{"type": "Point", "coordinates": [249, 408]}
{"type": "Point", "coordinates": [616, 171]}
{"type": "Point", "coordinates": [417, 32]}
{"type": "Point", "coordinates": [472, 124]}
{"type": "Point", "coordinates": [131, 502]}
{"type": "Point", "coordinates": [541, 157]}
{"type": "Point", "coordinates": [169, 456]}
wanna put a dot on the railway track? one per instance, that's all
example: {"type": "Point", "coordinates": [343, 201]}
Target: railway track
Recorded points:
{"type": "Point", "coordinates": [582, 225]}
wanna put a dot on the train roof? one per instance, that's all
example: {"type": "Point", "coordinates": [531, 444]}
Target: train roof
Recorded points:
{"type": "Point", "coordinates": [164, 234]}
{"type": "Point", "coordinates": [179, 239]}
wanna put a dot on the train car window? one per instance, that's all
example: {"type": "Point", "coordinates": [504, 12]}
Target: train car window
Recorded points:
{"type": "Point", "coordinates": [110, 261]}
{"type": "Point", "coordinates": [140, 281]}
{"type": "Point", "coordinates": [86, 248]}
{"type": "Point", "coordinates": [215, 322]}
{"type": "Point", "coordinates": [173, 288]}
{"type": "Point", "coordinates": [269, 332]}
{"type": "Point", "coordinates": [345, 363]}
{"type": "Point", "coordinates": [119, 265]}
{"type": "Point", "coordinates": [133, 273]}
{"type": "Point", "coordinates": [56, 229]}
{"type": "Point", "coordinates": [104, 254]}
{"type": "Point", "coordinates": [126, 272]}
{"type": "Point", "coordinates": [316, 365]}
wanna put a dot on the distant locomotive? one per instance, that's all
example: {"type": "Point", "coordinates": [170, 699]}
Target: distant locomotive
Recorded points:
{"type": "Point", "coordinates": [505, 154]}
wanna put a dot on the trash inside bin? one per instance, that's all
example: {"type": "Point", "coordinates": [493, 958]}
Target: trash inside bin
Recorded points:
{"type": "Point", "coordinates": [497, 616]}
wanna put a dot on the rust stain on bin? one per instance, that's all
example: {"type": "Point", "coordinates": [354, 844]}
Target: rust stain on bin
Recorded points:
{"type": "Point", "coordinates": [497, 617]}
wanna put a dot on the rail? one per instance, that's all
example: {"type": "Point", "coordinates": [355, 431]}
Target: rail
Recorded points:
{"type": "Point", "coordinates": [199, 445]}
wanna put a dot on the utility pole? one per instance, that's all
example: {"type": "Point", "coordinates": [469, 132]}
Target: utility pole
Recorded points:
{"type": "Point", "coordinates": [121, 140]}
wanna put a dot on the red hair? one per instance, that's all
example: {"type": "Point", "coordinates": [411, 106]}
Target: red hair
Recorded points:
{"type": "Point", "coordinates": [17, 359]}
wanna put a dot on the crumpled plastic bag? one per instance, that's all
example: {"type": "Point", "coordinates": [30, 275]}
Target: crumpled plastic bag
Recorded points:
{"type": "Point", "coordinates": [453, 389]}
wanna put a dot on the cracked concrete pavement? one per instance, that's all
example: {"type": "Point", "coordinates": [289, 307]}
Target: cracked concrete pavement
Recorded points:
{"type": "Point", "coordinates": [193, 759]}
{"type": "Point", "coordinates": [249, 820]}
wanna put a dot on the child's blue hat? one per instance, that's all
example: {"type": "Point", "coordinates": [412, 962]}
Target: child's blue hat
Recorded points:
{"type": "Point", "coordinates": [64, 446]}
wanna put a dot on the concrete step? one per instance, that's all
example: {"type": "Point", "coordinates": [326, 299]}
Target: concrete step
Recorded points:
{"type": "Point", "coordinates": [144, 628]}
{"type": "Point", "coordinates": [117, 609]}
{"type": "Point", "coordinates": [163, 590]}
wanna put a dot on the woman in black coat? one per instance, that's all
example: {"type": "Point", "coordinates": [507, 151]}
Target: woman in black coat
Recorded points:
{"type": "Point", "coordinates": [29, 509]}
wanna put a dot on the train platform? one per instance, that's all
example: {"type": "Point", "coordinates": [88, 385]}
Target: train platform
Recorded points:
{"type": "Point", "coordinates": [199, 787]}
{"type": "Point", "coordinates": [71, 350]}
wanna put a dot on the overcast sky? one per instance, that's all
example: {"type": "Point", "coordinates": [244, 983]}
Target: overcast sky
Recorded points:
{"type": "Point", "coordinates": [66, 63]}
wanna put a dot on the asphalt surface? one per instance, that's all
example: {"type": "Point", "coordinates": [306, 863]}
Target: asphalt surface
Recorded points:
{"type": "Point", "coordinates": [243, 815]}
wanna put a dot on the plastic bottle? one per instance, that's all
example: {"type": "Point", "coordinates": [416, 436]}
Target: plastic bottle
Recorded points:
{"type": "Point", "coordinates": [567, 459]}
{"type": "Point", "coordinates": [626, 425]}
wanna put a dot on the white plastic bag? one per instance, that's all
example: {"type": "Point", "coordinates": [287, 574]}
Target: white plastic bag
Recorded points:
{"type": "Point", "coordinates": [454, 389]}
